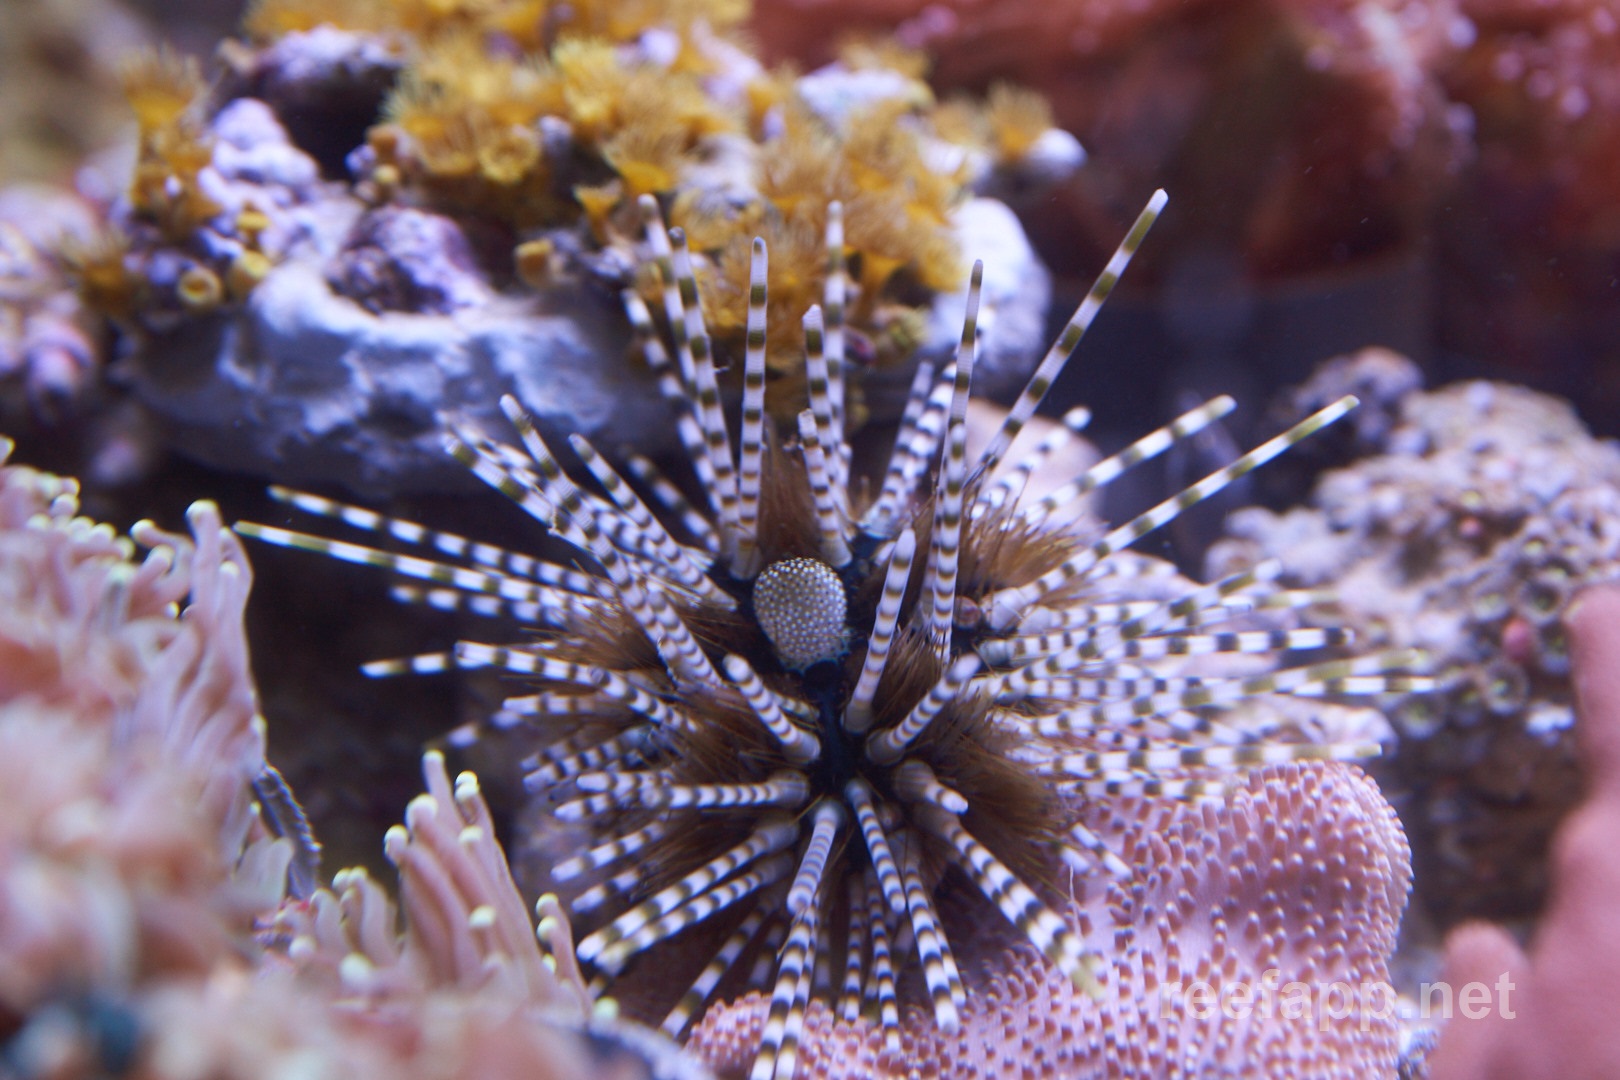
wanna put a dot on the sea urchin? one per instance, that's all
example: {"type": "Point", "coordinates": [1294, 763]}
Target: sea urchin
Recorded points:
{"type": "Point", "coordinates": [794, 716]}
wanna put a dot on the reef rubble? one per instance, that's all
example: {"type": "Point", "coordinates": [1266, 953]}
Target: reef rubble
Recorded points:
{"type": "Point", "coordinates": [1463, 523]}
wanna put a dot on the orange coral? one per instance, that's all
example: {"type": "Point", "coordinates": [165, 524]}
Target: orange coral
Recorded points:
{"type": "Point", "coordinates": [166, 94]}
{"type": "Point", "coordinates": [1008, 123]}
{"type": "Point", "coordinates": [471, 122]}
{"type": "Point", "coordinates": [521, 19]}
{"type": "Point", "coordinates": [896, 212]}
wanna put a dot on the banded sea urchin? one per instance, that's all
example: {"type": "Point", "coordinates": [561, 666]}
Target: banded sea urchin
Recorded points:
{"type": "Point", "coordinates": [795, 715]}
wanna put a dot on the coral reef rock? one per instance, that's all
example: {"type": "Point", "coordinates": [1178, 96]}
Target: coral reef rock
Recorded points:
{"type": "Point", "coordinates": [367, 332]}
{"type": "Point", "coordinates": [49, 344]}
{"type": "Point", "coordinates": [1549, 1014]}
{"type": "Point", "coordinates": [1483, 508]}
{"type": "Point", "coordinates": [382, 218]}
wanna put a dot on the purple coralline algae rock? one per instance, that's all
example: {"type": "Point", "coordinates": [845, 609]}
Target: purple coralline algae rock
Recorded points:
{"type": "Point", "coordinates": [1465, 530]}
{"type": "Point", "coordinates": [327, 324]}
{"type": "Point", "coordinates": [311, 386]}
{"type": "Point", "coordinates": [48, 343]}
{"type": "Point", "coordinates": [372, 334]}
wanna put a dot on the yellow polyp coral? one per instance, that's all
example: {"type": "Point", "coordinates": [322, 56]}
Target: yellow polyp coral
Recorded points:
{"type": "Point", "coordinates": [800, 168]}
{"type": "Point", "coordinates": [520, 20]}
{"type": "Point", "coordinates": [166, 94]}
{"type": "Point", "coordinates": [885, 159]}
{"type": "Point", "coordinates": [884, 54]}
{"type": "Point", "coordinates": [480, 106]}
{"type": "Point", "coordinates": [537, 127]}
{"type": "Point", "coordinates": [267, 20]}
{"type": "Point", "coordinates": [769, 98]}
{"type": "Point", "coordinates": [507, 155]}
{"type": "Point", "coordinates": [796, 275]}
{"type": "Point", "coordinates": [589, 78]}
{"type": "Point", "coordinates": [465, 124]}
{"type": "Point", "coordinates": [528, 24]}
{"type": "Point", "coordinates": [161, 88]}
{"type": "Point", "coordinates": [462, 123]}
{"type": "Point", "coordinates": [603, 97]}
{"type": "Point", "coordinates": [245, 272]}
{"type": "Point", "coordinates": [623, 20]}
{"type": "Point", "coordinates": [1018, 117]}
{"type": "Point", "coordinates": [647, 160]}
{"type": "Point", "coordinates": [200, 289]}
{"type": "Point", "coordinates": [889, 233]}
{"type": "Point", "coordinates": [1006, 125]}
{"type": "Point", "coordinates": [897, 208]}
{"type": "Point", "coordinates": [535, 262]}
{"type": "Point", "coordinates": [101, 274]}
{"type": "Point", "coordinates": [458, 84]}
{"type": "Point", "coordinates": [599, 201]}
{"type": "Point", "coordinates": [897, 228]}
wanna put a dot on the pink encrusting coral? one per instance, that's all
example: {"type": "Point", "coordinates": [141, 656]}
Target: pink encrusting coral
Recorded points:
{"type": "Point", "coordinates": [1298, 880]}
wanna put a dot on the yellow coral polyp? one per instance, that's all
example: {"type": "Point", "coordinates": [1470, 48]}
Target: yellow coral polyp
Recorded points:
{"type": "Point", "coordinates": [508, 155]}
{"type": "Point", "coordinates": [101, 274]}
{"type": "Point", "coordinates": [522, 22]}
{"type": "Point", "coordinates": [251, 223]}
{"type": "Point", "coordinates": [422, 20]}
{"type": "Point", "coordinates": [625, 20]}
{"type": "Point", "coordinates": [646, 160]}
{"type": "Point", "coordinates": [644, 177]}
{"type": "Point", "coordinates": [267, 20]}
{"type": "Point", "coordinates": [889, 234]}
{"type": "Point", "coordinates": [535, 262]}
{"type": "Point", "coordinates": [166, 93]}
{"type": "Point", "coordinates": [486, 78]}
{"type": "Point", "coordinates": [599, 201]}
{"type": "Point", "coordinates": [769, 97]}
{"type": "Point", "coordinates": [200, 289]}
{"type": "Point", "coordinates": [525, 23]}
{"type": "Point", "coordinates": [1017, 118]}
{"type": "Point", "coordinates": [797, 273]}
{"type": "Point", "coordinates": [245, 272]}
{"type": "Point", "coordinates": [801, 168]}
{"type": "Point", "coordinates": [885, 157]}
{"type": "Point", "coordinates": [884, 54]}
{"type": "Point", "coordinates": [161, 88]}
{"type": "Point", "coordinates": [592, 83]}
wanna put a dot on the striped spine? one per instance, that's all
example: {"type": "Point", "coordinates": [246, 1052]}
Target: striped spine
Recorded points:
{"type": "Point", "coordinates": [749, 472]}
{"type": "Point", "coordinates": [1047, 372]}
{"type": "Point", "coordinates": [1005, 607]}
{"type": "Point", "coordinates": [799, 745]}
{"type": "Point", "coordinates": [858, 713]}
